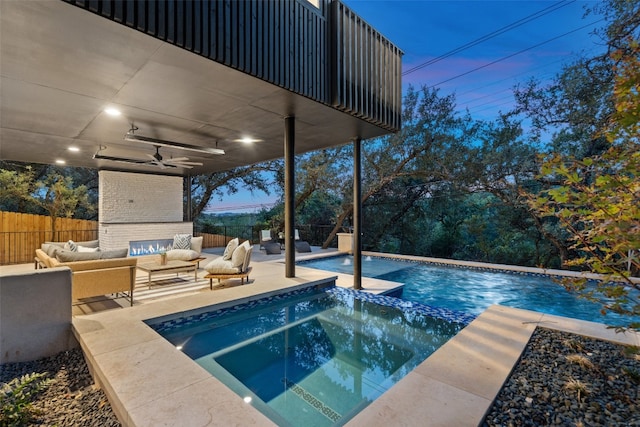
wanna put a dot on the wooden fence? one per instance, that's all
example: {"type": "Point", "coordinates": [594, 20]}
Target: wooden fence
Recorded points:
{"type": "Point", "coordinates": [21, 234]}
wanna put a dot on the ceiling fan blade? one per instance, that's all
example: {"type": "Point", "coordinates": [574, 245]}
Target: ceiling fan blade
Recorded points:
{"type": "Point", "coordinates": [176, 160]}
{"type": "Point", "coordinates": [120, 159]}
{"type": "Point", "coordinates": [188, 163]}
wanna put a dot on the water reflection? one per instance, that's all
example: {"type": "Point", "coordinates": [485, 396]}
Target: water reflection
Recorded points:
{"type": "Point", "coordinates": [318, 360]}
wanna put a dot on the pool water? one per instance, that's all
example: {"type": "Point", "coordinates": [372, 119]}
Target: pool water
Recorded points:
{"type": "Point", "coordinates": [473, 291]}
{"type": "Point", "coordinates": [312, 359]}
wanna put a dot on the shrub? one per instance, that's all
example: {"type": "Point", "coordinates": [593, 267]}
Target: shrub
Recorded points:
{"type": "Point", "coordinates": [16, 398]}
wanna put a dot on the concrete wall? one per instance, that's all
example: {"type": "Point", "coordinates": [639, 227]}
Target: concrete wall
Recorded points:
{"type": "Point", "coordinates": [35, 314]}
{"type": "Point", "coordinates": [135, 197]}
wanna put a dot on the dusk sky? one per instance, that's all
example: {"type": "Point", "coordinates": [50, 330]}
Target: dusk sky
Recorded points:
{"type": "Point", "coordinates": [535, 38]}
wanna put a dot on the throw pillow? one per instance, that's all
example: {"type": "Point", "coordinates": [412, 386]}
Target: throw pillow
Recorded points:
{"type": "Point", "coordinates": [69, 256]}
{"type": "Point", "coordinates": [52, 249]}
{"type": "Point", "coordinates": [237, 259]}
{"type": "Point", "coordinates": [70, 246]}
{"type": "Point", "coordinates": [182, 241]}
{"type": "Point", "coordinates": [231, 246]}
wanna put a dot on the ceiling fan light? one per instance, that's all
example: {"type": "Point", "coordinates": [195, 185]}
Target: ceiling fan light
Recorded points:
{"type": "Point", "coordinates": [247, 140]}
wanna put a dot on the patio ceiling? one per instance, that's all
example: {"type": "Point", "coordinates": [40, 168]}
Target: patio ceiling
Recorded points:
{"type": "Point", "coordinates": [61, 66]}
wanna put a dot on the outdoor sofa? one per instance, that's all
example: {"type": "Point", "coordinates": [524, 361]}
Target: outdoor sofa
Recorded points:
{"type": "Point", "coordinates": [94, 273]}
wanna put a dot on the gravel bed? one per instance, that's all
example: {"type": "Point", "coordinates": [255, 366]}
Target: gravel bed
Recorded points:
{"type": "Point", "coordinates": [536, 393]}
{"type": "Point", "coordinates": [72, 399]}
{"type": "Point", "coordinates": [564, 379]}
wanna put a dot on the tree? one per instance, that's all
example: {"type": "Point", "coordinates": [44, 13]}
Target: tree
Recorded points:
{"type": "Point", "coordinates": [205, 187]}
{"type": "Point", "coordinates": [57, 196]}
{"type": "Point", "coordinates": [430, 129]}
{"type": "Point", "coordinates": [14, 186]}
{"type": "Point", "coordinates": [598, 199]}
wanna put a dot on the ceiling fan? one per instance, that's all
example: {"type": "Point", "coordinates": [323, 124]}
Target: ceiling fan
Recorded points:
{"type": "Point", "coordinates": [178, 162]}
{"type": "Point", "coordinates": [155, 160]}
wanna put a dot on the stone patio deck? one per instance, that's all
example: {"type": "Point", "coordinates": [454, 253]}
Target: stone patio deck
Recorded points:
{"type": "Point", "coordinates": [150, 383]}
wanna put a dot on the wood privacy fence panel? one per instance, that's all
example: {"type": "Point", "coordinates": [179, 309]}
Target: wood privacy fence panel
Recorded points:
{"type": "Point", "coordinates": [214, 240]}
{"type": "Point", "coordinates": [21, 234]}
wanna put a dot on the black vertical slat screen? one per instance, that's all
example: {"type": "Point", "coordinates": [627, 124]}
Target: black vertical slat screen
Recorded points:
{"type": "Point", "coordinates": [328, 54]}
{"type": "Point", "coordinates": [366, 70]}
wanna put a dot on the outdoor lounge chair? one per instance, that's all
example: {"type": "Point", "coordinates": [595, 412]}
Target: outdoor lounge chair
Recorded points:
{"type": "Point", "coordinates": [234, 264]}
{"type": "Point", "coordinates": [265, 236]}
{"type": "Point", "coordinates": [268, 244]}
{"type": "Point", "coordinates": [301, 245]}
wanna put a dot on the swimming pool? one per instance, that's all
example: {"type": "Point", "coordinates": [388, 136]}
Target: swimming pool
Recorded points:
{"type": "Point", "coordinates": [472, 291]}
{"type": "Point", "coordinates": [312, 357]}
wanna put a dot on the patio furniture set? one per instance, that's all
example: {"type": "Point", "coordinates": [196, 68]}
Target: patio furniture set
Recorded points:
{"type": "Point", "coordinates": [98, 272]}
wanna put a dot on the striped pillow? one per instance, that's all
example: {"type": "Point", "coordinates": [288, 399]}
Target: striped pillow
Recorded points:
{"type": "Point", "coordinates": [71, 246]}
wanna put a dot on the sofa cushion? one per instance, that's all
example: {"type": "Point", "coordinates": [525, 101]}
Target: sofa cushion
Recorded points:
{"type": "Point", "coordinates": [182, 241]}
{"type": "Point", "coordinates": [221, 266]}
{"type": "Point", "coordinates": [196, 244]}
{"type": "Point", "coordinates": [231, 246]}
{"type": "Point", "coordinates": [89, 244]}
{"type": "Point", "coordinates": [86, 249]}
{"type": "Point", "coordinates": [247, 259]}
{"type": "Point", "coordinates": [182, 254]}
{"type": "Point", "coordinates": [70, 256]}
{"type": "Point", "coordinates": [114, 253]}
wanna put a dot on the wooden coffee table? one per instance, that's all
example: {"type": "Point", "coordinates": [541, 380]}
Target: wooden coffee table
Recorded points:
{"type": "Point", "coordinates": [170, 267]}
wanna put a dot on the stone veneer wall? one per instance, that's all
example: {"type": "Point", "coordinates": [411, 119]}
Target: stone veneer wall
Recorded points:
{"type": "Point", "coordinates": [139, 207]}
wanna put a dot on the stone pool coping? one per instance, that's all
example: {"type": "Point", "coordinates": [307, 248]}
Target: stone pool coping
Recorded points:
{"type": "Point", "coordinates": [150, 383]}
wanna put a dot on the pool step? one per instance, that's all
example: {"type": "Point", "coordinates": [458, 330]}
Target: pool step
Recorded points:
{"type": "Point", "coordinates": [313, 401]}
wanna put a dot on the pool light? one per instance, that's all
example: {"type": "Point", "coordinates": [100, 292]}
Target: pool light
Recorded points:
{"type": "Point", "coordinates": [179, 347]}
{"type": "Point", "coordinates": [247, 399]}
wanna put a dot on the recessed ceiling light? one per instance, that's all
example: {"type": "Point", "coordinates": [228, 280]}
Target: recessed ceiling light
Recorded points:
{"type": "Point", "coordinates": [74, 149]}
{"type": "Point", "coordinates": [60, 162]}
{"type": "Point", "coordinates": [247, 140]}
{"type": "Point", "coordinates": [112, 111]}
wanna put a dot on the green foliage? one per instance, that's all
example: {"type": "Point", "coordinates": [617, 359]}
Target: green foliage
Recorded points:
{"type": "Point", "coordinates": [16, 398]}
{"type": "Point", "coordinates": [597, 201]}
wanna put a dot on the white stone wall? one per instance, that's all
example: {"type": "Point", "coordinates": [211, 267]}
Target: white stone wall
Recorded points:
{"type": "Point", "coordinates": [136, 206]}
{"type": "Point", "coordinates": [132, 197]}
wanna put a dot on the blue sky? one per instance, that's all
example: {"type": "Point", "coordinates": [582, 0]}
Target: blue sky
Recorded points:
{"type": "Point", "coordinates": [536, 38]}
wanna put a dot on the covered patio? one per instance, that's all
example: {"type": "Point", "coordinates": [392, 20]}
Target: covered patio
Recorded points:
{"type": "Point", "coordinates": [211, 84]}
